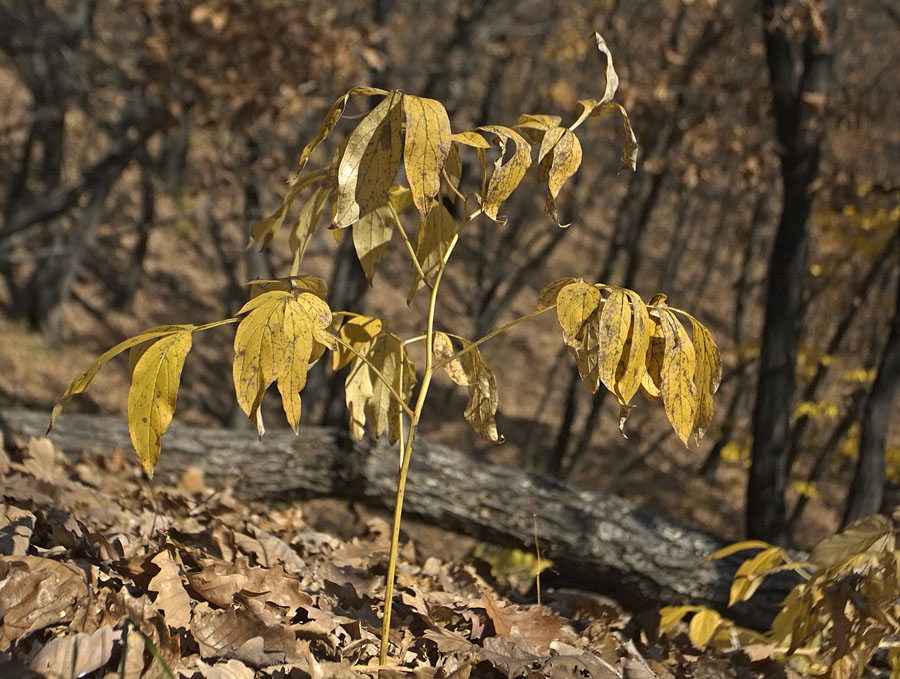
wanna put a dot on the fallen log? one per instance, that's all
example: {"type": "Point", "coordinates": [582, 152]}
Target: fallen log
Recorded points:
{"type": "Point", "coordinates": [597, 541]}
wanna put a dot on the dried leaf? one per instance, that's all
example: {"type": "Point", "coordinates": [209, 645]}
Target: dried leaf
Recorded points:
{"type": "Point", "coordinates": [559, 158]}
{"type": "Point", "coordinates": [506, 176]}
{"type": "Point", "coordinates": [171, 598]}
{"type": "Point", "coordinates": [154, 392]}
{"type": "Point", "coordinates": [426, 149]}
{"type": "Point", "coordinates": [370, 162]}
{"type": "Point", "coordinates": [77, 655]}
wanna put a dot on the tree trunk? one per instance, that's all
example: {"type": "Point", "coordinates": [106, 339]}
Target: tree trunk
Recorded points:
{"type": "Point", "coordinates": [867, 490]}
{"type": "Point", "coordinates": [597, 541]}
{"type": "Point", "coordinates": [798, 87]}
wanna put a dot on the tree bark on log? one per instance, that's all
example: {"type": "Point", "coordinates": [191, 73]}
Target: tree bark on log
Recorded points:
{"type": "Point", "coordinates": [597, 541]}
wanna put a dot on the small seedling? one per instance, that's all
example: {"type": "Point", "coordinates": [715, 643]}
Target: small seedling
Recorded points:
{"type": "Point", "coordinates": [617, 340]}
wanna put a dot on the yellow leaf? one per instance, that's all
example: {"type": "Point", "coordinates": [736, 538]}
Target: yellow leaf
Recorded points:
{"type": "Point", "coordinates": [559, 158]}
{"type": "Point", "coordinates": [734, 549]}
{"type": "Point", "coordinates": [547, 296]}
{"type": "Point", "coordinates": [587, 351]}
{"type": "Point", "coordinates": [669, 616]}
{"type": "Point", "coordinates": [80, 383]}
{"type": "Point", "coordinates": [679, 394]}
{"type": "Point", "coordinates": [358, 390]}
{"type": "Point", "coordinates": [371, 236]}
{"type": "Point", "coordinates": [426, 148]}
{"type": "Point", "coordinates": [370, 162]}
{"type": "Point", "coordinates": [651, 381]}
{"type": "Point", "coordinates": [153, 394]}
{"type": "Point", "coordinates": [612, 83]}
{"type": "Point", "coordinates": [633, 363]}
{"type": "Point", "coordinates": [615, 325]}
{"type": "Point", "coordinates": [506, 176]}
{"type": "Point", "coordinates": [436, 232]}
{"type": "Point", "coordinates": [453, 168]}
{"type": "Point", "coordinates": [471, 138]}
{"type": "Point", "coordinates": [707, 375]}
{"type": "Point", "coordinates": [331, 119]}
{"type": "Point", "coordinates": [443, 349]}
{"type": "Point", "coordinates": [275, 342]}
{"type": "Point", "coordinates": [305, 225]}
{"type": "Point", "coordinates": [357, 332]}
{"type": "Point", "coordinates": [703, 626]}
{"type": "Point", "coordinates": [534, 127]}
{"type": "Point", "coordinates": [574, 304]}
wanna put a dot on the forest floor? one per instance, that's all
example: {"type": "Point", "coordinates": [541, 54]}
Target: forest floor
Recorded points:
{"type": "Point", "coordinates": [102, 575]}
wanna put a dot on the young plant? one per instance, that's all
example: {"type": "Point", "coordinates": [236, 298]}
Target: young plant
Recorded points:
{"type": "Point", "coordinates": [617, 340]}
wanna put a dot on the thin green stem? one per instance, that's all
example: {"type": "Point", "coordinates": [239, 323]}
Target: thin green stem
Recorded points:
{"type": "Point", "coordinates": [377, 372]}
{"type": "Point", "coordinates": [440, 364]}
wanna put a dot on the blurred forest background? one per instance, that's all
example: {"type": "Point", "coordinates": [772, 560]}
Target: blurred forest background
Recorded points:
{"type": "Point", "coordinates": [140, 139]}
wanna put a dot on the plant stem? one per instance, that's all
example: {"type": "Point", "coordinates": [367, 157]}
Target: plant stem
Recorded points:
{"type": "Point", "coordinates": [377, 372]}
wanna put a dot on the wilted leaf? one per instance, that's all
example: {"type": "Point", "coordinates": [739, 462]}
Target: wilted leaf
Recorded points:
{"type": "Point", "coordinates": [427, 146]}
{"type": "Point", "coordinates": [482, 385]}
{"type": "Point", "coordinates": [370, 162]}
{"type": "Point", "coordinates": [574, 304]}
{"type": "Point", "coordinates": [506, 176]}
{"type": "Point", "coordinates": [154, 392]}
{"type": "Point", "coordinates": [679, 394]}
{"type": "Point", "coordinates": [559, 158]}
{"type": "Point", "coordinates": [435, 235]}
{"type": "Point", "coordinates": [535, 625]}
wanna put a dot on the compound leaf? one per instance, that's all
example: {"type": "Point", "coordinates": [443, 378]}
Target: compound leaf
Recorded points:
{"type": "Point", "coordinates": [154, 392]}
{"type": "Point", "coordinates": [427, 146]}
{"type": "Point", "coordinates": [369, 163]}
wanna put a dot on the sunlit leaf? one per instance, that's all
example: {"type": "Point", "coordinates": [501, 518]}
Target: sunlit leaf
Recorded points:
{"type": "Point", "coordinates": [574, 304]}
{"type": "Point", "coordinates": [506, 176]}
{"type": "Point", "coordinates": [547, 296]}
{"type": "Point", "coordinates": [357, 332]}
{"type": "Point", "coordinates": [707, 375]}
{"type": "Point", "coordinates": [368, 396]}
{"type": "Point", "coordinates": [559, 158]}
{"type": "Point", "coordinates": [479, 378]}
{"type": "Point", "coordinates": [330, 120]}
{"type": "Point", "coordinates": [370, 162]}
{"type": "Point", "coordinates": [702, 627]}
{"type": "Point", "coordinates": [154, 392]}
{"type": "Point", "coordinates": [651, 381]}
{"type": "Point", "coordinates": [426, 148]}
{"type": "Point", "coordinates": [471, 138]}
{"type": "Point", "coordinates": [80, 383]}
{"type": "Point", "coordinates": [679, 394]}
{"type": "Point", "coordinates": [276, 341]}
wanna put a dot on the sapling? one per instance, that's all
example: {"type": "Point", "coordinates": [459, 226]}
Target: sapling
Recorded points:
{"type": "Point", "coordinates": [617, 340]}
